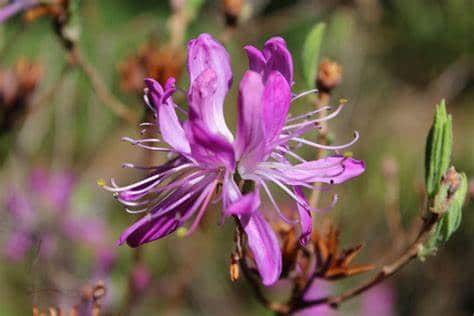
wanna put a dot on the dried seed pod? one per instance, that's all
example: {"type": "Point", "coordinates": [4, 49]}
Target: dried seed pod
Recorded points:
{"type": "Point", "coordinates": [329, 75]}
{"type": "Point", "coordinates": [232, 11]}
{"type": "Point", "coordinates": [153, 61]}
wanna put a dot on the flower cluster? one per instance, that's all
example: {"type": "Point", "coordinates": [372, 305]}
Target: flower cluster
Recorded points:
{"type": "Point", "coordinates": [205, 155]}
{"type": "Point", "coordinates": [45, 203]}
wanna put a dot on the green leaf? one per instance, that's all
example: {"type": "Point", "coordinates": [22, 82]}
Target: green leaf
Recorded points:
{"type": "Point", "coordinates": [439, 145]}
{"type": "Point", "coordinates": [311, 51]}
{"type": "Point", "coordinates": [449, 204]}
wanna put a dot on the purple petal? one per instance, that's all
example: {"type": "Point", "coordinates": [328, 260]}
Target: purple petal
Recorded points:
{"type": "Point", "coordinates": [147, 229]}
{"type": "Point", "coordinates": [379, 300]}
{"type": "Point", "coordinates": [278, 58]}
{"type": "Point", "coordinates": [206, 53]}
{"type": "Point", "coordinates": [263, 243]}
{"type": "Point", "coordinates": [230, 191]}
{"type": "Point", "coordinates": [211, 150]}
{"type": "Point", "coordinates": [257, 61]}
{"type": "Point", "coordinates": [17, 245]}
{"type": "Point", "coordinates": [170, 126]}
{"type": "Point", "coordinates": [17, 6]}
{"type": "Point", "coordinates": [319, 289]}
{"type": "Point", "coordinates": [333, 170]}
{"type": "Point", "coordinates": [306, 220]}
{"type": "Point", "coordinates": [249, 140]}
{"type": "Point", "coordinates": [246, 204]}
{"type": "Point", "coordinates": [20, 208]}
{"type": "Point", "coordinates": [276, 103]}
{"type": "Point", "coordinates": [86, 230]}
{"type": "Point", "coordinates": [55, 187]}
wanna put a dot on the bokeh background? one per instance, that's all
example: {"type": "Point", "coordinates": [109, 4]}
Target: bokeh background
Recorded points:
{"type": "Point", "coordinates": [399, 58]}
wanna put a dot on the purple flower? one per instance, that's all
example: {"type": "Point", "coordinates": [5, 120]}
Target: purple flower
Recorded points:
{"type": "Point", "coordinates": [378, 301]}
{"type": "Point", "coordinates": [319, 289]}
{"type": "Point", "coordinates": [40, 216]}
{"type": "Point", "coordinates": [205, 154]}
{"type": "Point", "coordinates": [15, 7]}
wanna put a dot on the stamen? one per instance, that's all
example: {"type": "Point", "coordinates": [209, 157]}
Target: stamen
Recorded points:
{"type": "Point", "coordinates": [203, 208]}
{"type": "Point", "coordinates": [284, 188]}
{"type": "Point", "coordinates": [309, 114]}
{"type": "Point", "coordinates": [303, 94]}
{"type": "Point", "coordinates": [292, 154]}
{"type": "Point", "coordinates": [328, 147]}
{"type": "Point", "coordinates": [117, 188]}
{"type": "Point", "coordinates": [147, 102]}
{"type": "Point", "coordinates": [275, 205]}
{"type": "Point", "coordinates": [318, 120]}
{"type": "Point", "coordinates": [140, 141]}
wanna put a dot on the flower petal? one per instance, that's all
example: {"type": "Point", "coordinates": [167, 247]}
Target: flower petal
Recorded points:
{"type": "Point", "coordinates": [257, 61]}
{"type": "Point", "coordinates": [246, 204]}
{"type": "Point", "coordinates": [206, 53]}
{"type": "Point", "coordinates": [147, 229]}
{"type": "Point", "coordinates": [306, 220]}
{"type": "Point", "coordinates": [278, 58]}
{"type": "Point", "coordinates": [333, 170]}
{"type": "Point", "coordinates": [170, 126]}
{"type": "Point", "coordinates": [276, 103]}
{"type": "Point", "coordinates": [207, 148]}
{"type": "Point", "coordinates": [263, 243]}
{"type": "Point", "coordinates": [249, 144]}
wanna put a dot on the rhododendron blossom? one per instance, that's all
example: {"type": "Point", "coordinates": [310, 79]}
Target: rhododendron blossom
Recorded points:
{"type": "Point", "coordinates": [205, 156]}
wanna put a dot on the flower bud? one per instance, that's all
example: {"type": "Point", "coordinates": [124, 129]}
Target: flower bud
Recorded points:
{"type": "Point", "coordinates": [232, 11]}
{"type": "Point", "coordinates": [234, 269]}
{"type": "Point", "coordinates": [329, 75]}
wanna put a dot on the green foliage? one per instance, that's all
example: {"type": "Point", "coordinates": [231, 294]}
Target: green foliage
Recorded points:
{"type": "Point", "coordinates": [311, 51]}
{"type": "Point", "coordinates": [438, 149]}
{"type": "Point", "coordinates": [193, 7]}
{"type": "Point", "coordinates": [448, 202]}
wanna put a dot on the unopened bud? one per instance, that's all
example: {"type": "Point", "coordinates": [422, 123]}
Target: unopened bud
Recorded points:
{"type": "Point", "coordinates": [99, 291]}
{"type": "Point", "coordinates": [234, 269]}
{"type": "Point", "coordinates": [232, 10]}
{"type": "Point", "coordinates": [329, 75]}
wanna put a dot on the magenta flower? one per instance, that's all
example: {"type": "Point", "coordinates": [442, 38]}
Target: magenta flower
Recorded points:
{"type": "Point", "coordinates": [204, 153]}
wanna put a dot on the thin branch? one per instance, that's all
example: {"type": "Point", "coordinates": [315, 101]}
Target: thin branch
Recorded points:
{"type": "Point", "coordinates": [385, 272]}
{"type": "Point", "coordinates": [101, 90]}
{"type": "Point", "coordinates": [249, 274]}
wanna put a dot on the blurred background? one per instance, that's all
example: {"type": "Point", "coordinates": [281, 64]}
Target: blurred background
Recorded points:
{"type": "Point", "coordinates": [59, 136]}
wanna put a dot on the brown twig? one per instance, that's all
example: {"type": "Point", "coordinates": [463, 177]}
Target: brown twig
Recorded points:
{"type": "Point", "coordinates": [250, 274]}
{"type": "Point", "coordinates": [100, 89]}
{"type": "Point", "coordinates": [385, 272]}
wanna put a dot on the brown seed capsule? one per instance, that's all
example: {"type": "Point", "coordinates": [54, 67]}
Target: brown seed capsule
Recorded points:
{"type": "Point", "coordinates": [99, 291]}
{"type": "Point", "coordinates": [151, 60]}
{"type": "Point", "coordinates": [232, 11]}
{"type": "Point", "coordinates": [329, 75]}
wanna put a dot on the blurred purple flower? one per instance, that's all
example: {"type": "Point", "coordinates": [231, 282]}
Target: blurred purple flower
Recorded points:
{"type": "Point", "coordinates": [205, 153]}
{"type": "Point", "coordinates": [141, 278]}
{"type": "Point", "coordinates": [54, 188]}
{"type": "Point", "coordinates": [379, 300]}
{"type": "Point", "coordinates": [15, 7]}
{"type": "Point", "coordinates": [40, 216]}
{"type": "Point", "coordinates": [319, 289]}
